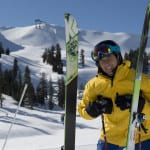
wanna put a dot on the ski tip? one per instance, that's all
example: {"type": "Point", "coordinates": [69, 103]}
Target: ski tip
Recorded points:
{"type": "Point", "coordinates": [67, 14]}
{"type": "Point", "coordinates": [148, 7]}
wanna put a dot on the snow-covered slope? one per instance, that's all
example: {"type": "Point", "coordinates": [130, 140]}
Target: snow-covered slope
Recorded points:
{"type": "Point", "coordinates": [29, 43]}
{"type": "Point", "coordinates": [41, 129]}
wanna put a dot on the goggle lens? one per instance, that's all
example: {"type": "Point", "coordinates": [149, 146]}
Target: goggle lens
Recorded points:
{"type": "Point", "coordinates": [103, 50]}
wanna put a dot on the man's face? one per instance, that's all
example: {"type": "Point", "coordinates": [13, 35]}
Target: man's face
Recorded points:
{"type": "Point", "coordinates": [108, 64]}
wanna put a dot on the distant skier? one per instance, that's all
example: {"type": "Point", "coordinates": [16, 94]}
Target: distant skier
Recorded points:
{"type": "Point", "coordinates": [109, 94]}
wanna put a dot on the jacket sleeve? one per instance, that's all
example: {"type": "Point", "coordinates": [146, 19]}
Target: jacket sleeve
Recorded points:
{"type": "Point", "coordinates": [82, 111]}
{"type": "Point", "coordinates": [88, 96]}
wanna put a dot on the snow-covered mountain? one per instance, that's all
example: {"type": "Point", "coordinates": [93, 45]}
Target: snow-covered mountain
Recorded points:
{"type": "Point", "coordinates": [28, 43]}
{"type": "Point", "coordinates": [41, 129]}
{"type": "Point", "coordinates": [51, 34]}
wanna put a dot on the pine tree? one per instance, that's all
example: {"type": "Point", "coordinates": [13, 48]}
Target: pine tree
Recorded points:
{"type": "Point", "coordinates": [1, 48]}
{"type": "Point", "coordinates": [1, 86]}
{"type": "Point", "coordinates": [20, 85]}
{"type": "Point", "coordinates": [51, 56]}
{"type": "Point", "coordinates": [27, 78]}
{"type": "Point", "coordinates": [60, 68]}
{"type": "Point", "coordinates": [58, 53]}
{"type": "Point", "coordinates": [7, 51]}
{"type": "Point", "coordinates": [30, 94]}
{"type": "Point", "coordinates": [51, 92]}
{"type": "Point", "coordinates": [15, 69]}
{"type": "Point", "coordinates": [61, 92]}
{"type": "Point", "coordinates": [42, 90]}
{"type": "Point", "coordinates": [54, 61]}
{"type": "Point", "coordinates": [7, 80]}
{"type": "Point", "coordinates": [132, 56]}
{"type": "Point", "coordinates": [81, 59]}
{"type": "Point", "coordinates": [44, 56]}
{"type": "Point", "coordinates": [15, 89]}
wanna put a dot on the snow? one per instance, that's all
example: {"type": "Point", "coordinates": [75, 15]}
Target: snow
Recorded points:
{"type": "Point", "coordinates": [40, 128]}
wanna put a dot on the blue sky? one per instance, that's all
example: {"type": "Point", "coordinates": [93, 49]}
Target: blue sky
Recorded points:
{"type": "Point", "coordinates": [100, 15]}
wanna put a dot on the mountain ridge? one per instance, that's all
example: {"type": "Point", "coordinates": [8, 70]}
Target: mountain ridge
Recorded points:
{"type": "Point", "coordinates": [28, 44]}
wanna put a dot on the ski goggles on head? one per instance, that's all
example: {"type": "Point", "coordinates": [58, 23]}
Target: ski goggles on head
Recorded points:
{"type": "Point", "coordinates": [103, 50]}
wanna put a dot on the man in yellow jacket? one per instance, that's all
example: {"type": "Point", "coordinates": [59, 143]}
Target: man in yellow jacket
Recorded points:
{"type": "Point", "coordinates": [109, 95]}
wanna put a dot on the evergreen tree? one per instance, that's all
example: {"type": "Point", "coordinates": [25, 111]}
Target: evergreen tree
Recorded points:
{"type": "Point", "coordinates": [13, 84]}
{"type": "Point", "coordinates": [15, 68]}
{"type": "Point", "coordinates": [58, 54]}
{"type": "Point", "coordinates": [133, 56]}
{"type": "Point", "coordinates": [81, 59]}
{"type": "Point", "coordinates": [7, 88]}
{"type": "Point", "coordinates": [51, 56]}
{"type": "Point", "coordinates": [31, 97]}
{"type": "Point", "coordinates": [1, 86]}
{"type": "Point", "coordinates": [54, 68]}
{"type": "Point", "coordinates": [27, 78]}
{"type": "Point", "coordinates": [54, 61]}
{"type": "Point", "coordinates": [30, 94]}
{"type": "Point", "coordinates": [58, 63]}
{"type": "Point", "coordinates": [5, 82]}
{"type": "Point", "coordinates": [42, 90]}
{"type": "Point", "coordinates": [61, 92]}
{"type": "Point", "coordinates": [20, 86]}
{"type": "Point", "coordinates": [51, 92]}
{"type": "Point", "coordinates": [44, 56]}
{"type": "Point", "coordinates": [7, 51]}
{"type": "Point", "coordinates": [15, 89]}
{"type": "Point", "coordinates": [60, 68]}
{"type": "Point", "coordinates": [1, 48]}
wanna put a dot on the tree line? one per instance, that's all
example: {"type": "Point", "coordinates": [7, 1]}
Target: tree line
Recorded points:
{"type": "Point", "coordinates": [52, 56]}
{"type": "Point", "coordinates": [132, 55]}
{"type": "Point", "coordinates": [3, 51]}
{"type": "Point", "coordinates": [12, 83]}
{"type": "Point", "coordinates": [46, 92]}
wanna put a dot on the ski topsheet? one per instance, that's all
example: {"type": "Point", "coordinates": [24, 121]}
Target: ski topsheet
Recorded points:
{"type": "Point", "coordinates": [71, 29]}
{"type": "Point", "coordinates": [136, 91]}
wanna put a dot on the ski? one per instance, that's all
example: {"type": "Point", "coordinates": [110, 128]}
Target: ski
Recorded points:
{"type": "Point", "coordinates": [133, 123]}
{"type": "Point", "coordinates": [71, 30]}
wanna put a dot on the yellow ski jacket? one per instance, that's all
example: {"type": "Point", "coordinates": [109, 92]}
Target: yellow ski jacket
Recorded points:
{"type": "Point", "coordinates": [116, 123]}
